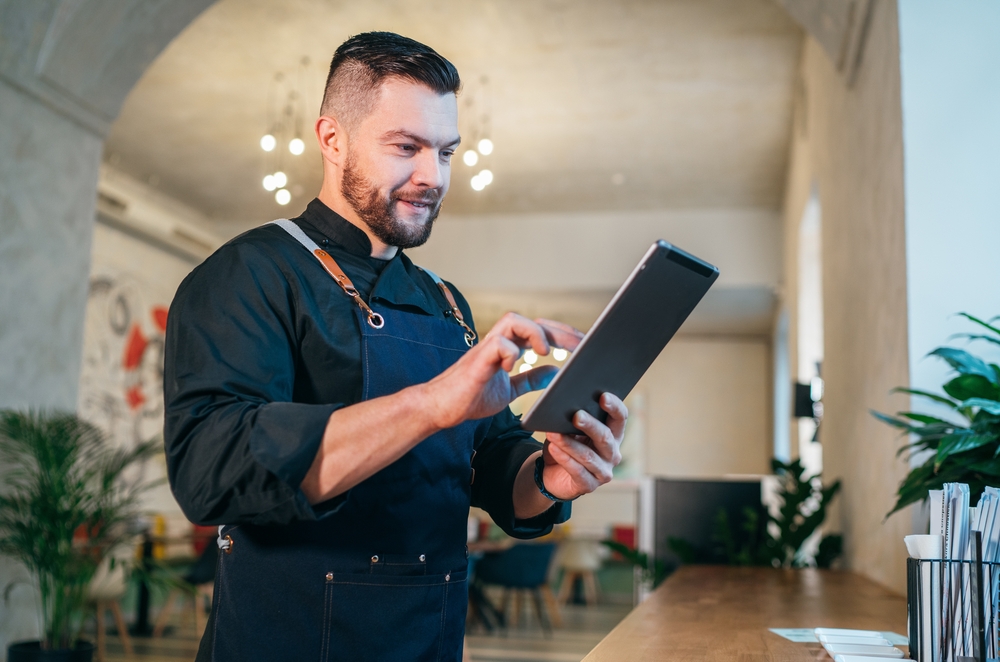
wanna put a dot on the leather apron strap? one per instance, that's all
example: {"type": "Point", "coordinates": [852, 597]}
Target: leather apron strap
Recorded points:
{"type": "Point", "coordinates": [374, 319]}
{"type": "Point", "coordinates": [470, 335]}
{"type": "Point", "coordinates": [330, 265]}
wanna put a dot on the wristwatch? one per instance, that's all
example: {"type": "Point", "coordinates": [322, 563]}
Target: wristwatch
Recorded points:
{"type": "Point", "coordinates": [539, 467]}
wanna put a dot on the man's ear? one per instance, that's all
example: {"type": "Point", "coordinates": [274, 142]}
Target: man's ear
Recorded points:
{"type": "Point", "coordinates": [332, 140]}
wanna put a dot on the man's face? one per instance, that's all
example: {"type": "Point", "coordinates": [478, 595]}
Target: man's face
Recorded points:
{"type": "Point", "coordinates": [398, 163]}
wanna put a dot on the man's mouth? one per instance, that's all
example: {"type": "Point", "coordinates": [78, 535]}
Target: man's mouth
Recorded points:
{"type": "Point", "coordinates": [417, 204]}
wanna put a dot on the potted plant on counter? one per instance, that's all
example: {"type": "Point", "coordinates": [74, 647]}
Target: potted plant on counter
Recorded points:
{"type": "Point", "coordinates": [64, 506]}
{"type": "Point", "coordinates": [962, 445]}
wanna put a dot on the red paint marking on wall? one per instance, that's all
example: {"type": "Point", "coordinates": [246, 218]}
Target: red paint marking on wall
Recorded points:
{"type": "Point", "coordinates": [160, 318]}
{"type": "Point", "coordinates": [134, 397]}
{"type": "Point", "coordinates": [134, 348]}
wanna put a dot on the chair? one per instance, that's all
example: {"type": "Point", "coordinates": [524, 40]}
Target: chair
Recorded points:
{"type": "Point", "coordinates": [580, 559]}
{"type": "Point", "coordinates": [106, 589]}
{"type": "Point", "coordinates": [201, 578]}
{"type": "Point", "coordinates": [524, 568]}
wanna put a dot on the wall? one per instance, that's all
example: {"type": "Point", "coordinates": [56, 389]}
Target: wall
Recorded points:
{"type": "Point", "coordinates": [48, 178]}
{"type": "Point", "coordinates": [121, 384]}
{"type": "Point", "coordinates": [707, 402]}
{"type": "Point", "coordinates": [65, 68]}
{"type": "Point", "coordinates": [950, 60]}
{"type": "Point", "coordinates": [48, 183]}
{"type": "Point", "coordinates": [848, 142]}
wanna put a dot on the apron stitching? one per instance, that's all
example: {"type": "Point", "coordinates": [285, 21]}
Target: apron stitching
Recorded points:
{"type": "Point", "coordinates": [217, 600]}
{"type": "Point", "coordinates": [394, 585]}
{"type": "Point", "coordinates": [327, 617]}
{"type": "Point", "coordinates": [367, 363]}
{"type": "Point", "coordinates": [444, 610]}
{"type": "Point", "coordinates": [418, 342]}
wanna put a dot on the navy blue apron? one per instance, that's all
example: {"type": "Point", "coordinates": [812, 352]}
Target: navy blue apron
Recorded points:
{"type": "Point", "coordinates": [384, 578]}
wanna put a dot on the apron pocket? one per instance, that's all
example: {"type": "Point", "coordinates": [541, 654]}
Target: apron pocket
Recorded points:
{"type": "Point", "coordinates": [390, 617]}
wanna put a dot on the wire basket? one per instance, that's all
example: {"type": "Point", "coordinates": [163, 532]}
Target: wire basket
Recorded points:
{"type": "Point", "coordinates": [952, 607]}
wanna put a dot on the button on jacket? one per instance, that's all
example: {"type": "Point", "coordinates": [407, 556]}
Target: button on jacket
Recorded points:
{"type": "Point", "coordinates": [262, 347]}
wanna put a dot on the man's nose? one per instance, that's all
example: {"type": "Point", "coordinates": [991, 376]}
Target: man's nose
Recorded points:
{"type": "Point", "coordinates": [430, 171]}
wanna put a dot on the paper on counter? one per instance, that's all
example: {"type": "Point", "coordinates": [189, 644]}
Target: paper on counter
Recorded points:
{"type": "Point", "coordinates": [847, 633]}
{"type": "Point", "coordinates": [841, 639]}
{"type": "Point", "coordinates": [871, 651]}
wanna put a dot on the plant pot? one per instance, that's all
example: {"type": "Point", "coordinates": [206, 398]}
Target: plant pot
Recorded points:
{"type": "Point", "coordinates": [31, 651]}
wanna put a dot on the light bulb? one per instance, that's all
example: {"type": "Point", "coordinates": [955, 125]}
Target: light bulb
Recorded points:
{"type": "Point", "coordinates": [296, 146]}
{"type": "Point", "coordinates": [530, 357]}
{"type": "Point", "coordinates": [269, 184]}
{"type": "Point", "coordinates": [559, 354]}
{"type": "Point", "coordinates": [280, 179]}
{"type": "Point", "coordinates": [470, 157]}
{"type": "Point", "coordinates": [486, 176]}
{"type": "Point", "coordinates": [524, 368]}
{"type": "Point", "coordinates": [283, 197]}
{"type": "Point", "coordinates": [268, 142]}
{"type": "Point", "coordinates": [478, 184]}
{"type": "Point", "coordinates": [485, 146]}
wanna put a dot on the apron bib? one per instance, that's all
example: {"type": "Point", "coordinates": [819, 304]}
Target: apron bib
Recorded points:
{"type": "Point", "coordinates": [385, 576]}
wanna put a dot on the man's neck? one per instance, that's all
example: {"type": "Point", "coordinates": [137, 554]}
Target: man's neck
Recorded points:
{"type": "Point", "coordinates": [338, 204]}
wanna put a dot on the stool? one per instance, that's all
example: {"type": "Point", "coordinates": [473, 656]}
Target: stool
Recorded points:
{"type": "Point", "coordinates": [580, 559]}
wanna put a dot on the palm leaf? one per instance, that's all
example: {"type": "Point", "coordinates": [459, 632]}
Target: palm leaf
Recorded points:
{"type": "Point", "coordinates": [989, 406]}
{"type": "Point", "coordinates": [981, 323]}
{"type": "Point", "coordinates": [964, 387]}
{"type": "Point", "coordinates": [924, 394]}
{"type": "Point", "coordinates": [965, 363]}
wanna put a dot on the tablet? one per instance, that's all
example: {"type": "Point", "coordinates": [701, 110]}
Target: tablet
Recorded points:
{"type": "Point", "coordinates": [634, 328]}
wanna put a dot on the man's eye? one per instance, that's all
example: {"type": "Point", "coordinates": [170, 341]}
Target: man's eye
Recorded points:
{"type": "Point", "coordinates": [408, 148]}
{"type": "Point", "coordinates": [447, 155]}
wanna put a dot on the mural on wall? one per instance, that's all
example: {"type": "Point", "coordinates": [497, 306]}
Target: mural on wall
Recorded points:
{"type": "Point", "coordinates": [121, 383]}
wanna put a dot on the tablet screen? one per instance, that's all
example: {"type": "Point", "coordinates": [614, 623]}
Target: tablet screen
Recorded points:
{"type": "Point", "coordinates": [643, 316]}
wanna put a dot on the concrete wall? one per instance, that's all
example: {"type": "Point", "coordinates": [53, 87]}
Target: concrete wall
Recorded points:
{"type": "Point", "coordinates": [848, 142]}
{"type": "Point", "coordinates": [48, 184]}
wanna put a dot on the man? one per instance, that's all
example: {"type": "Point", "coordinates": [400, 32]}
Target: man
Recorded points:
{"type": "Point", "coordinates": [327, 403]}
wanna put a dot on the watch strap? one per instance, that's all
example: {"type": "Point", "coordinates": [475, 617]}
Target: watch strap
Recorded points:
{"type": "Point", "coordinates": [539, 469]}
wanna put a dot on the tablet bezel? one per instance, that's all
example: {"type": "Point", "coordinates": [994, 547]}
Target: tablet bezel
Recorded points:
{"type": "Point", "coordinates": [659, 250]}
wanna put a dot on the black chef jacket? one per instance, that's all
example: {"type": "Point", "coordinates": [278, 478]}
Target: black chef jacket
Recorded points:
{"type": "Point", "coordinates": [262, 347]}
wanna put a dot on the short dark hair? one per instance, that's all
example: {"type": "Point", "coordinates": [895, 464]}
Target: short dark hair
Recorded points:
{"type": "Point", "coordinates": [363, 62]}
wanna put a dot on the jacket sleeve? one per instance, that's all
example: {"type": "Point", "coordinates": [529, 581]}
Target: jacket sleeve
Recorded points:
{"type": "Point", "coordinates": [498, 459]}
{"type": "Point", "coordinates": [237, 446]}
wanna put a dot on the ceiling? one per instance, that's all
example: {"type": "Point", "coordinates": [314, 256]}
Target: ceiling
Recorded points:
{"type": "Point", "coordinates": [592, 104]}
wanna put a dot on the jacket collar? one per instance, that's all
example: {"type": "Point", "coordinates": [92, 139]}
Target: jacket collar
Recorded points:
{"type": "Point", "coordinates": [401, 283]}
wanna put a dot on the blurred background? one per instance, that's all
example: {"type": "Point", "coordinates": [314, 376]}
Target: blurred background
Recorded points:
{"type": "Point", "coordinates": [835, 158]}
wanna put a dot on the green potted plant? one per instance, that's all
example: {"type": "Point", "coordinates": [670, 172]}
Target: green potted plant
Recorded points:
{"type": "Point", "coordinates": [64, 506]}
{"type": "Point", "coordinates": [962, 445]}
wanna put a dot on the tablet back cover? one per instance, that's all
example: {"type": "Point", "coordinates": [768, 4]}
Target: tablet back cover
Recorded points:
{"type": "Point", "coordinates": [628, 336]}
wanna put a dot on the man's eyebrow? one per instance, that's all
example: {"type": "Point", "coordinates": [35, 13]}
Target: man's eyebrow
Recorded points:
{"type": "Point", "coordinates": [412, 137]}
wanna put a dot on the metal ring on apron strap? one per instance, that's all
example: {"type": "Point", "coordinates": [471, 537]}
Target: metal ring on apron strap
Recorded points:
{"type": "Point", "coordinates": [455, 311]}
{"type": "Point", "coordinates": [375, 320]}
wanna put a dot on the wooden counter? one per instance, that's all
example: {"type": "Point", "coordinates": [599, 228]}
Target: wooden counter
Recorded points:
{"type": "Point", "coordinates": [722, 613]}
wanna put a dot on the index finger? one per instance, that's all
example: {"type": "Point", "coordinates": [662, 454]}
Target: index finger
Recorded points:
{"type": "Point", "coordinates": [522, 332]}
{"type": "Point", "coordinates": [617, 414]}
{"type": "Point", "coordinates": [559, 334]}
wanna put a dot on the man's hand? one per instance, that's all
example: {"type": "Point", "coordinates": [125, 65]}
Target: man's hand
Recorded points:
{"type": "Point", "coordinates": [479, 385]}
{"type": "Point", "coordinates": [579, 464]}
{"type": "Point", "coordinates": [574, 464]}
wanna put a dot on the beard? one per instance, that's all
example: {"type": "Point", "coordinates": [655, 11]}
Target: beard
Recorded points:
{"type": "Point", "coordinates": [379, 212]}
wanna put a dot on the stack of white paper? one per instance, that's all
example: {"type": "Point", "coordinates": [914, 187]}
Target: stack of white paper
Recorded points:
{"type": "Point", "coordinates": [856, 645]}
